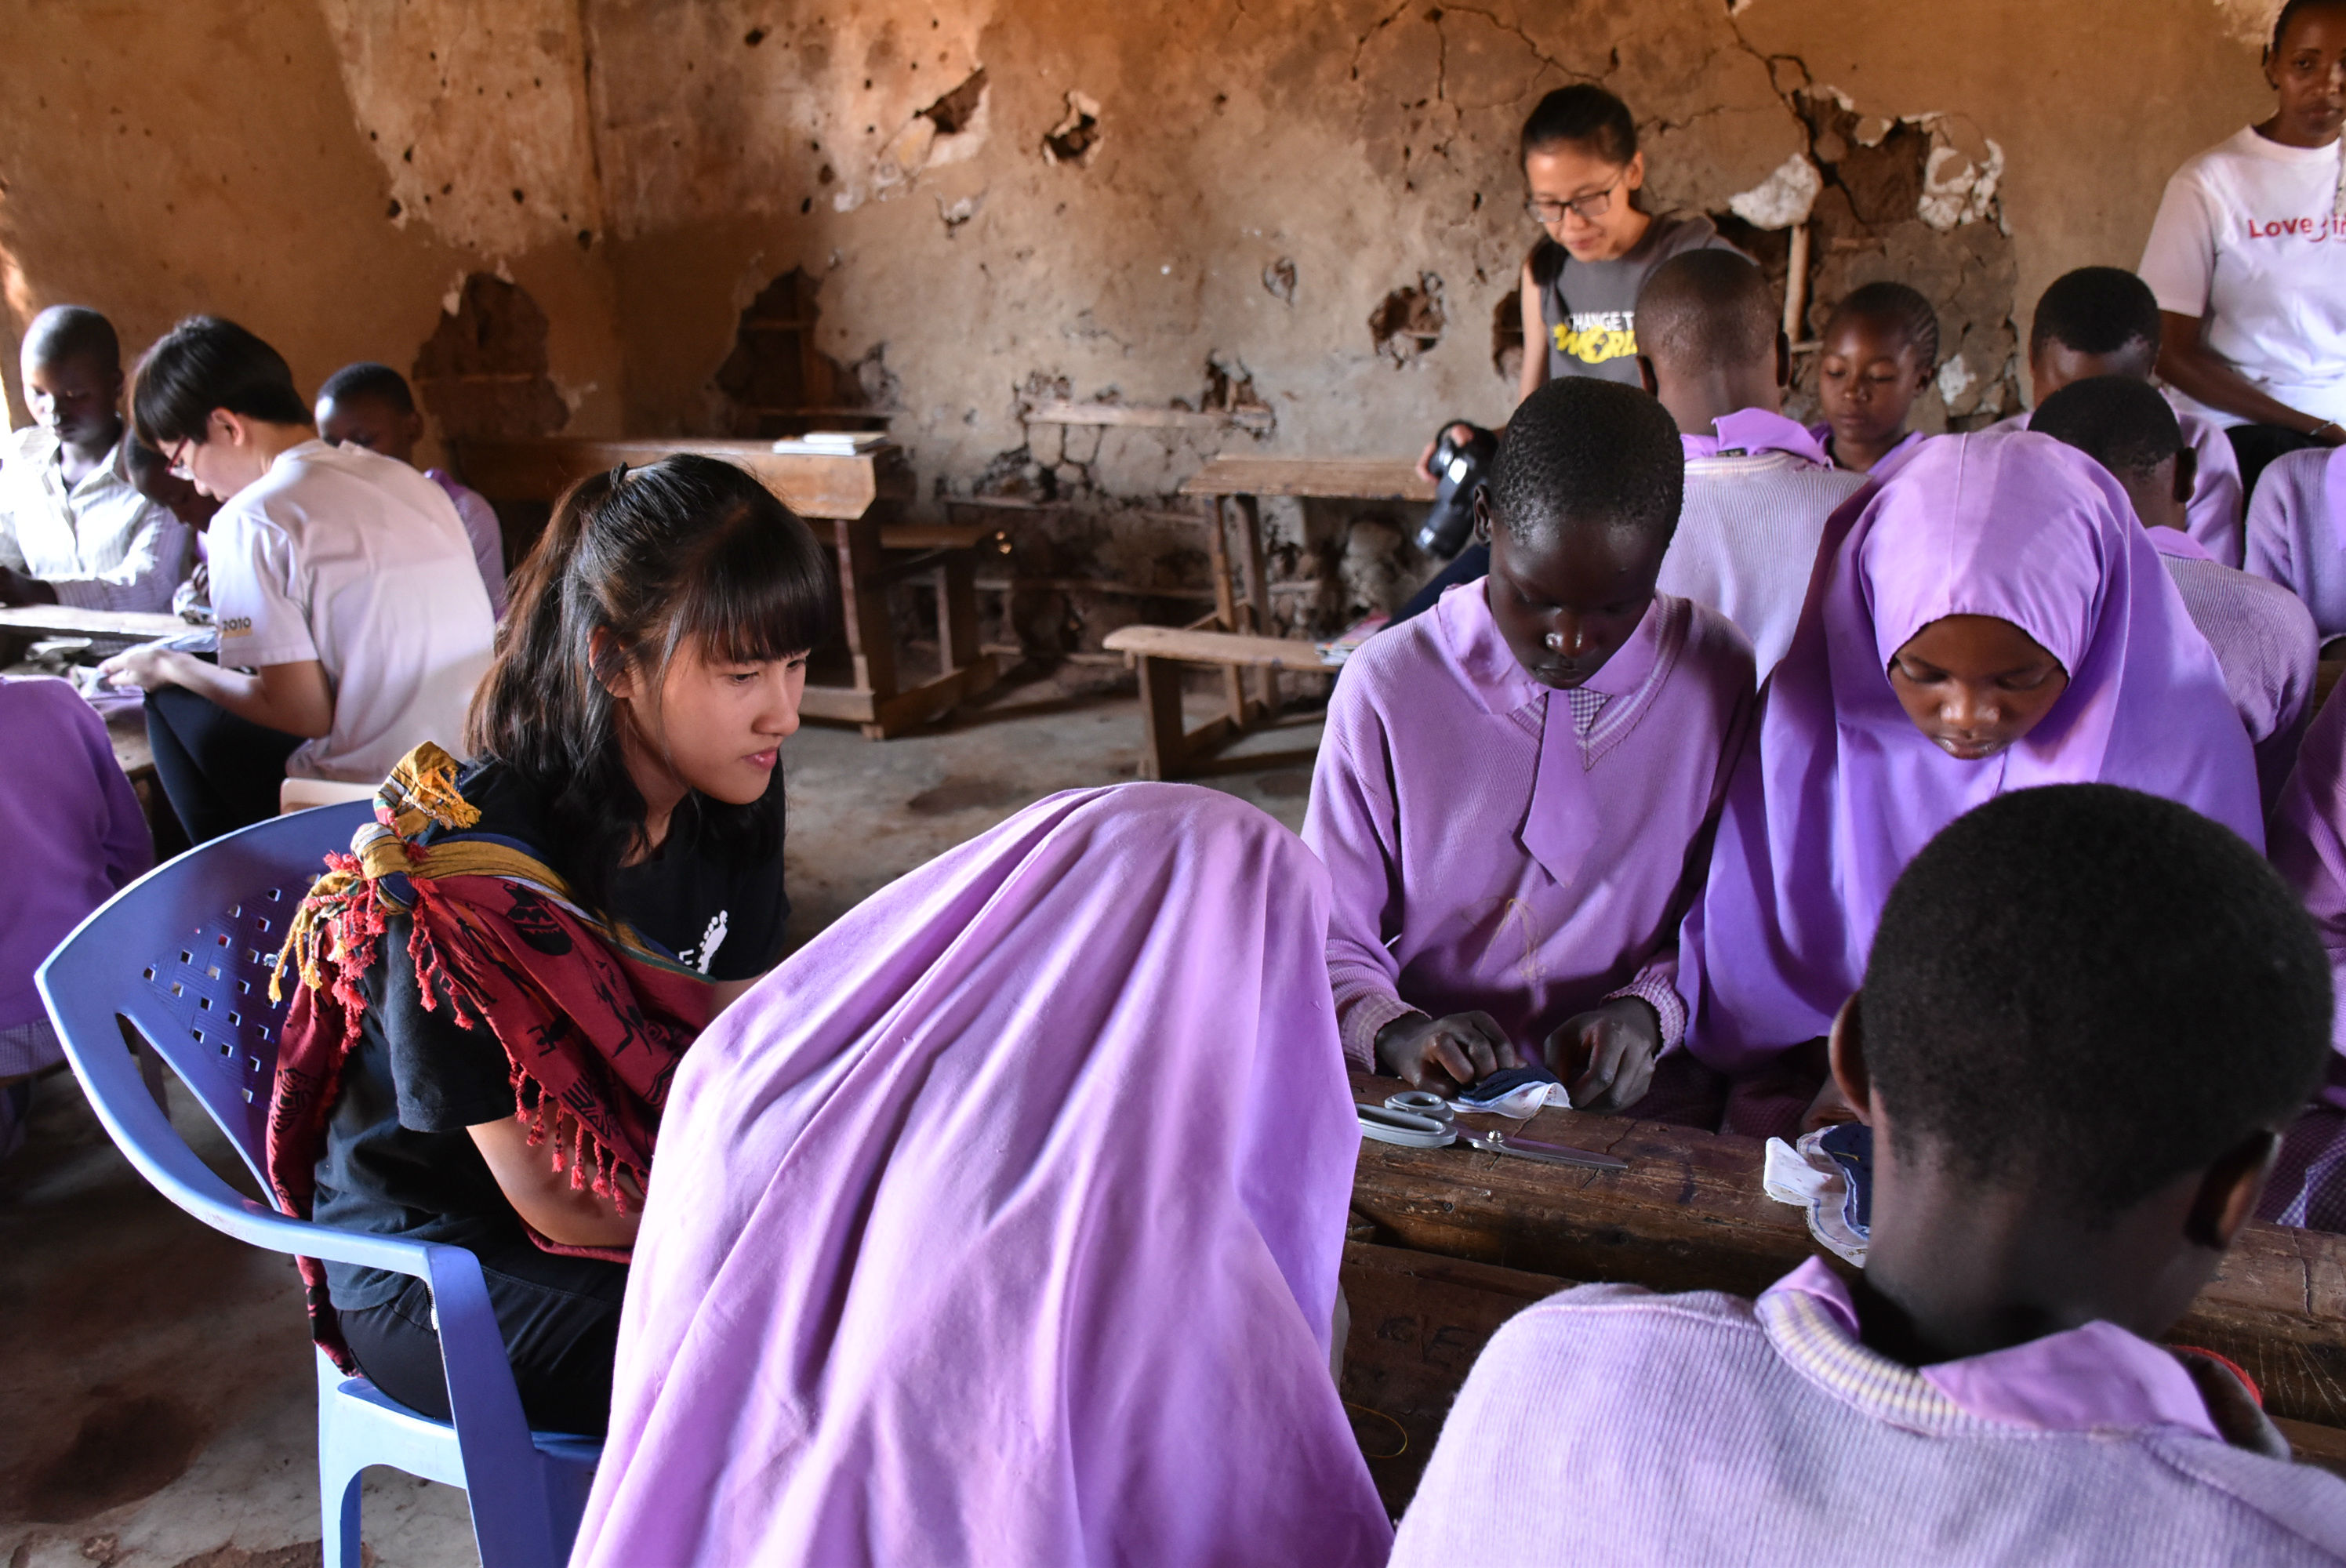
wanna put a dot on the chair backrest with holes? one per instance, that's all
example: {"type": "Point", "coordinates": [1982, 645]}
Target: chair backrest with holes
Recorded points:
{"type": "Point", "coordinates": [195, 941]}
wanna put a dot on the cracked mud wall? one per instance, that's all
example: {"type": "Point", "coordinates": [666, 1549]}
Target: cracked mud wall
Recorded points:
{"type": "Point", "coordinates": [247, 158]}
{"type": "Point", "coordinates": [1259, 226]}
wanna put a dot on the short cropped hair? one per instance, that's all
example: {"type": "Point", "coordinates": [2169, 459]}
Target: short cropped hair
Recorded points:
{"type": "Point", "coordinates": [1584, 113]}
{"type": "Point", "coordinates": [206, 363]}
{"type": "Point", "coordinates": [2097, 311]}
{"type": "Point", "coordinates": [368, 379]}
{"type": "Point", "coordinates": [2120, 423]}
{"type": "Point", "coordinates": [64, 332]}
{"type": "Point", "coordinates": [1901, 309]}
{"type": "Point", "coordinates": [2084, 991]}
{"type": "Point", "coordinates": [1589, 449]}
{"type": "Point", "coordinates": [1707, 308]}
{"type": "Point", "coordinates": [2290, 13]}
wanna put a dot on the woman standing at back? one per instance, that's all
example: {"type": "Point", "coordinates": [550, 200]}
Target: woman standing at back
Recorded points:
{"type": "Point", "coordinates": [1581, 175]}
{"type": "Point", "coordinates": [2248, 258]}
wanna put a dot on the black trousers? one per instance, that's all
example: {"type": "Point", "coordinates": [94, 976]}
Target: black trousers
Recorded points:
{"type": "Point", "coordinates": [1472, 562]}
{"type": "Point", "coordinates": [560, 1320]}
{"type": "Point", "coordinates": [2258, 445]}
{"type": "Point", "coordinates": [219, 771]}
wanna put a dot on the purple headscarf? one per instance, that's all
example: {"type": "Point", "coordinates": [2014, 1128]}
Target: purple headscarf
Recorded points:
{"type": "Point", "coordinates": [1001, 1225]}
{"type": "Point", "coordinates": [1841, 789]}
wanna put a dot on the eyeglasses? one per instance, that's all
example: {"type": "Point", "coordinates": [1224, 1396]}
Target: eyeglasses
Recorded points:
{"type": "Point", "coordinates": [1587, 209]}
{"type": "Point", "coordinates": [178, 458]}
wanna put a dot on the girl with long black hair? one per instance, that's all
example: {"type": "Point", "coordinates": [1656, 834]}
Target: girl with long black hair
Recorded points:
{"type": "Point", "coordinates": [498, 982]}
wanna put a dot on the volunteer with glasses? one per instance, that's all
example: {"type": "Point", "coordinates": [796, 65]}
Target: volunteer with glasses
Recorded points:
{"type": "Point", "coordinates": [1583, 171]}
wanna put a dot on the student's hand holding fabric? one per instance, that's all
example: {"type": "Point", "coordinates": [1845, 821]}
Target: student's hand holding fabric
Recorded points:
{"type": "Point", "coordinates": [1605, 1055]}
{"type": "Point", "coordinates": [1829, 1108]}
{"type": "Point", "coordinates": [1466, 1047]}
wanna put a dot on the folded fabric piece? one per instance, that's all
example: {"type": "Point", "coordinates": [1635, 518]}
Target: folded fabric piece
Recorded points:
{"type": "Point", "coordinates": [1516, 1092]}
{"type": "Point", "coordinates": [1829, 1183]}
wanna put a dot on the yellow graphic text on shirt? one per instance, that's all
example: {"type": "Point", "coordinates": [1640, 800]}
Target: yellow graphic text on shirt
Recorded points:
{"type": "Point", "coordinates": [1594, 337]}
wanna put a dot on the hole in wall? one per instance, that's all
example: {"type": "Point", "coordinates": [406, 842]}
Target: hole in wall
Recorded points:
{"type": "Point", "coordinates": [777, 383]}
{"type": "Point", "coordinates": [1409, 321]}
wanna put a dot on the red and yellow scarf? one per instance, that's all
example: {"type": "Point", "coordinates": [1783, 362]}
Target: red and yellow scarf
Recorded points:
{"type": "Point", "coordinates": [592, 1017]}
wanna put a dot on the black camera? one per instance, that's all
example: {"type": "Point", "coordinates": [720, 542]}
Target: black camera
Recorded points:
{"type": "Point", "coordinates": [1461, 467]}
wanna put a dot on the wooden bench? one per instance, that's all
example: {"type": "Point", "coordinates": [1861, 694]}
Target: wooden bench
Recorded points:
{"type": "Point", "coordinates": [1173, 750]}
{"type": "Point", "coordinates": [847, 497]}
{"type": "Point", "coordinates": [65, 621]}
{"type": "Point", "coordinates": [1236, 636]}
{"type": "Point", "coordinates": [1447, 1244]}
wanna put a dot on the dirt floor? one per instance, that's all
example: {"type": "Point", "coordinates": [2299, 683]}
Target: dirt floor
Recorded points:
{"type": "Point", "coordinates": [157, 1392]}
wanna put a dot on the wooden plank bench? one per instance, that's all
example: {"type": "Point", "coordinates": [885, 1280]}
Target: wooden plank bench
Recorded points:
{"type": "Point", "coordinates": [1235, 637]}
{"type": "Point", "coordinates": [1458, 1240]}
{"type": "Point", "coordinates": [1173, 750]}
{"type": "Point", "coordinates": [847, 497]}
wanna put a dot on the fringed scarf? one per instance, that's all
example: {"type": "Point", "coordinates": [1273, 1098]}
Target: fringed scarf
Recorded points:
{"type": "Point", "coordinates": [593, 1018]}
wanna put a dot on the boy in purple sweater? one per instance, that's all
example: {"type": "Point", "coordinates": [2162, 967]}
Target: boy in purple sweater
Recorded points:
{"type": "Point", "coordinates": [2076, 1083]}
{"type": "Point", "coordinates": [1515, 797]}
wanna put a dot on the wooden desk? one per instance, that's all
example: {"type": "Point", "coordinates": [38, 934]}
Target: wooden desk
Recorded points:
{"type": "Point", "coordinates": [846, 497]}
{"type": "Point", "coordinates": [65, 621]}
{"type": "Point", "coordinates": [1457, 1241]}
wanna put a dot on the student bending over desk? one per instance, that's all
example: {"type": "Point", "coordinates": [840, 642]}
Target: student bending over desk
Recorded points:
{"type": "Point", "coordinates": [1990, 619]}
{"type": "Point", "coordinates": [2060, 1161]}
{"type": "Point", "coordinates": [547, 931]}
{"type": "Point", "coordinates": [1001, 1225]}
{"type": "Point", "coordinates": [1515, 799]}
{"type": "Point", "coordinates": [353, 622]}
{"type": "Point", "coordinates": [73, 528]}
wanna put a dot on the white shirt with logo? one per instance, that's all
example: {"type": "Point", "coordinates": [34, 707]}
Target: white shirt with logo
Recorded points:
{"type": "Point", "coordinates": [2247, 239]}
{"type": "Point", "coordinates": [355, 560]}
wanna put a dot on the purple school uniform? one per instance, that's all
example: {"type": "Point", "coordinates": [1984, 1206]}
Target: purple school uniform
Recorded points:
{"type": "Point", "coordinates": [75, 834]}
{"type": "Point", "coordinates": [1840, 790]}
{"type": "Point", "coordinates": [1757, 496]}
{"type": "Point", "coordinates": [2308, 844]}
{"type": "Point", "coordinates": [2297, 532]}
{"type": "Point", "coordinates": [1610, 1425]}
{"type": "Point", "coordinates": [2264, 641]}
{"type": "Point", "coordinates": [1493, 844]}
{"type": "Point", "coordinates": [481, 527]}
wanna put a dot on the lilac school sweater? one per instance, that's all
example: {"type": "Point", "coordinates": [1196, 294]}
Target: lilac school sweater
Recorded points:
{"type": "Point", "coordinates": [1609, 1425]}
{"type": "Point", "coordinates": [2265, 644]}
{"type": "Point", "coordinates": [1483, 855]}
{"type": "Point", "coordinates": [74, 831]}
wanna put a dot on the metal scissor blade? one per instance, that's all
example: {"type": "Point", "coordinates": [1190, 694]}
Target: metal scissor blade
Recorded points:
{"type": "Point", "coordinates": [1549, 1154]}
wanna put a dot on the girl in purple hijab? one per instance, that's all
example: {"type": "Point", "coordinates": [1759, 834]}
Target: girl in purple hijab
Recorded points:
{"type": "Point", "coordinates": [1001, 1224]}
{"type": "Point", "coordinates": [1988, 619]}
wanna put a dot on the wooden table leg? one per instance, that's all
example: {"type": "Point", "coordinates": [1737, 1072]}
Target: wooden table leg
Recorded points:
{"type": "Point", "coordinates": [1258, 594]}
{"type": "Point", "coordinates": [1160, 718]}
{"type": "Point", "coordinates": [956, 615]}
{"type": "Point", "coordinates": [863, 609]}
{"type": "Point", "coordinates": [1226, 607]}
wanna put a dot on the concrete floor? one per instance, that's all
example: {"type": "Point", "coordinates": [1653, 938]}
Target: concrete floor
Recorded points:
{"type": "Point", "coordinates": [156, 1396]}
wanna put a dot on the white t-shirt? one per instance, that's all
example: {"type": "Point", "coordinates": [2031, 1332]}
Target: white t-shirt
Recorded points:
{"type": "Point", "coordinates": [2247, 240]}
{"type": "Point", "coordinates": [355, 560]}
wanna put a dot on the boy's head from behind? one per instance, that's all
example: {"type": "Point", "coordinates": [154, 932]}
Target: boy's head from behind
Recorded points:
{"type": "Point", "coordinates": [1582, 501]}
{"type": "Point", "coordinates": [370, 405]}
{"type": "Point", "coordinates": [2087, 1014]}
{"type": "Point", "coordinates": [2094, 321]}
{"type": "Point", "coordinates": [72, 366]}
{"type": "Point", "coordinates": [2125, 425]}
{"type": "Point", "coordinates": [1710, 336]}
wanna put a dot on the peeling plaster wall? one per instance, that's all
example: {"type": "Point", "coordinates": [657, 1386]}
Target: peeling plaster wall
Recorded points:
{"type": "Point", "coordinates": [1288, 226]}
{"type": "Point", "coordinates": [157, 160]}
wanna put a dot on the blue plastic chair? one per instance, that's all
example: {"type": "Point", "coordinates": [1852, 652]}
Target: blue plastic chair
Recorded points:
{"type": "Point", "coordinates": [183, 954]}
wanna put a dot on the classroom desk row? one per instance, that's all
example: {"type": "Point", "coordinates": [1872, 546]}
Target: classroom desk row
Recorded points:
{"type": "Point", "coordinates": [1447, 1244]}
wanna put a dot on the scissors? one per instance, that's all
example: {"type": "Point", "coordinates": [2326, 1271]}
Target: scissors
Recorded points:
{"type": "Point", "coordinates": [1419, 1104]}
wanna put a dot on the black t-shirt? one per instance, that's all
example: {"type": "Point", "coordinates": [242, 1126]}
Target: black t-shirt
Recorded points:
{"type": "Point", "coordinates": [398, 1160]}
